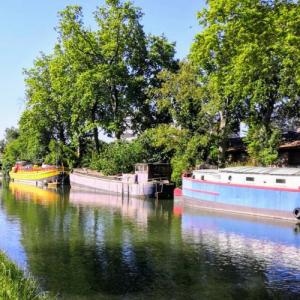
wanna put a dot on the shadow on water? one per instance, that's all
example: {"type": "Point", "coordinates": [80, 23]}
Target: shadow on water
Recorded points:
{"type": "Point", "coordinates": [82, 244]}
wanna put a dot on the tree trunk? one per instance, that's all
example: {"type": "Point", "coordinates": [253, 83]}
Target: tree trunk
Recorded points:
{"type": "Point", "coordinates": [96, 139]}
{"type": "Point", "coordinates": [223, 140]}
{"type": "Point", "coordinates": [115, 107]}
{"type": "Point", "coordinates": [118, 134]}
{"type": "Point", "coordinates": [80, 148]}
{"type": "Point", "coordinates": [62, 134]}
{"type": "Point", "coordinates": [95, 129]}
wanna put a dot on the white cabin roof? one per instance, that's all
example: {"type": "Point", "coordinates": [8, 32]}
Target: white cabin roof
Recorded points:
{"type": "Point", "coordinates": [262, 170]}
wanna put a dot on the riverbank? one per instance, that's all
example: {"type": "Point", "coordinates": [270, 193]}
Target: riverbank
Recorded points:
{"type": "Point", "coordinates": [14, 285]}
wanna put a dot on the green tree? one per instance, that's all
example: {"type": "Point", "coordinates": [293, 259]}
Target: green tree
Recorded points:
{"type": "Point", "coordinates": [81, 50]}
{"type": "Point", "coordinates": [119, 157]}
{"type": "Point", "coordinates": [181, 94]}
{"type": "Point", "coordinates": [10, 148]}
{"type": "Point", "coordinates": [13, 152]}
{"type": "Point", "coordinates": [10, 134]}
{"type": "Point", "coordinates": [48, 109]}
{"type": "Point", "coordinates": [178, 147]}
{"type": "Point", "coordinates": [114, 66]}
{"type": "Point", "coordinates": [248, 58]}
{"type": "Point", "coordinates": [147, 112]}
{"type": "Point", "coordinates": [2, 145]}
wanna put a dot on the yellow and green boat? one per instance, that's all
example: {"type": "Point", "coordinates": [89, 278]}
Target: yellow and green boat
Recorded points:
{"type": "Point", "coordinates": [39, 176]}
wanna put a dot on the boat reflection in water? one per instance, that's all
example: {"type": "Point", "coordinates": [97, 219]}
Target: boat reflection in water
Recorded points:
{"type": "Point", "coordinates": [90, 245]}
{"type": "Point", "coordinates": [273, 246]}
{"type": "Point", "coordinates": [133, 208]}
{"type": "Point", "coordinates": [32, 193]}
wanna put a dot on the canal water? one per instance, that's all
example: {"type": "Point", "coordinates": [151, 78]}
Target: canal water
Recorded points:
{"type": "Point", "coordinates": [81, 244]}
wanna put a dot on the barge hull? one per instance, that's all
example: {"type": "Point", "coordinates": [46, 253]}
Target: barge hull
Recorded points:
{"type": "Point", "coordinates": [237, 209]}
{"type": "Point", "coordinates": [113, 186]}
{"type": "Point", "coordinates": [250, 200]}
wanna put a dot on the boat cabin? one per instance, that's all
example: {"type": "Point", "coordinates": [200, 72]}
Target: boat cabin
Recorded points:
{"type": "Point", "coordinates": [258, 176]}
{"type": "Point", "coordinates": [154, 171]}
{"type": "Point", "coordinates": [23, 163]}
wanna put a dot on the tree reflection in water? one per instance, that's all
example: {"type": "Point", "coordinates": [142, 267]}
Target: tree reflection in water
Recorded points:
{"type": "Point", "coordinates": [89, 245]}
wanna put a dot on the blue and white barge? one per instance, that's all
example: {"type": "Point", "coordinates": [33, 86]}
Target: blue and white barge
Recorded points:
{"type": "Point", "coordinates": [267, 192]}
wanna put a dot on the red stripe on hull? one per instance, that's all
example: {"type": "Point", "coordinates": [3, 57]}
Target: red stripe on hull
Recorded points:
{"type": "Point", "coordinates": [202, 192]}
{"type": "Point", "coordinates": [244, 185]}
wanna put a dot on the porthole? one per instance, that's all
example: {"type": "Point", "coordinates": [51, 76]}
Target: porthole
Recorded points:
{"type": "Point", "coordinates": [249, 178]}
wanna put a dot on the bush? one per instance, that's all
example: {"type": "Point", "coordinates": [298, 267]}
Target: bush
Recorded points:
{"type": "Point", "coordinates": [11, 154]}
{"type": "Point", "coordinates": [118, 157]}
{"type": "Point", "coordinates": [164, 143]}
{"type": "Point", "coordinates": [262, 145]}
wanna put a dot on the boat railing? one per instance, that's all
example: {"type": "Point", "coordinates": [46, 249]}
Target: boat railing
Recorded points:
{"type": "Point", "coordinates": [39, 169]}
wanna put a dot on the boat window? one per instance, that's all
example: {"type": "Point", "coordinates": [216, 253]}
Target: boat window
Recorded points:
{"type": "Point", "coordinates": [249, 178]}
{"type": "Point", "coordinates": [141, 168]}
{"type": "Point", "coordinates": [280, 180]}
{"type": "Point", "coordinates": [202, 177]}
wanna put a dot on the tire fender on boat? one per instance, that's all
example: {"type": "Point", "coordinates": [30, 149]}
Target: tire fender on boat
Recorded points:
{"type": "Point", "coordinates": [296, 213]}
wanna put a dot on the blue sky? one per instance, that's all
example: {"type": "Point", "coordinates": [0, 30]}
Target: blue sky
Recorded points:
{"type": "Point", "coordinates": [27, 28]}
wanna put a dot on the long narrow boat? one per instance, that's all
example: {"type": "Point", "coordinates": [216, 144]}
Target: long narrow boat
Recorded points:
{"type": "Point", "coordinates": [267, 192]}
{"type": "Point", "coordinates": [38, 176]}
{"type": "Point", "coordinates": [149, 180]}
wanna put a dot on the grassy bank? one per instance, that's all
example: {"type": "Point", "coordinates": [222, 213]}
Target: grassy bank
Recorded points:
{"type": "Point", "coordinates": [14, 285]}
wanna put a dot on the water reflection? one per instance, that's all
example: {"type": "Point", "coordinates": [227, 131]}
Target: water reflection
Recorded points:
{"type": "Point", "coordinates": [86, 245]}
{"type": "Point", "coordinates": [33, 193]}
{"type": "Point", "coordinates": [132, 208]}
{"type": "Point", "coordinates": [273, 247]}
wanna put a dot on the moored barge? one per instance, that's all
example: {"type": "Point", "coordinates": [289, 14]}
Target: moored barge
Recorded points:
{"type": "Point", "coordinates": [38, 176]}
{"type": "Point", "coordinates": [266, 192]}
{"type": "Point", "coordinates": [149, 180]}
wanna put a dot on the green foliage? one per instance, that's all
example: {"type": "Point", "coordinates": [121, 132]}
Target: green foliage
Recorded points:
{"type": "Point", "coordinates": [14, 149]}
{"type": "Point", "coordinates": [92, 80]}
{"type": "Point", "coordinates": [161, 144]}
{"type": "Point", "coordinates": [243, 67]}
{"type": "Point", "coordinates": [118, 157]}
{"type": "Point", "coordinates": [178, 147]}
{"type": "Point", "coordinates": [10, 135]}
{"type": "Point", "coordinates": [2, 146]}
{"type": "Point", "coordinates": [168, 139]}
{"type": "Point", "coordinates": [181, 94]}
{"type": "Point", "coordinates": [14, 284]}
{"type": "Point", "coordinates": [179, 165]}
{"type": "Point", "coordinates": [262, 147]}
{"type": "Point", "coordinates": [13, 152]}
{"type": "Point", "coordinates": [60, 154]}
{"type": "Point", "coordinates": [113, 67]}
{"type": "Point", "coordinates": [244, 57]}
{"type": "Point", "coordinates": [191, 153]}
